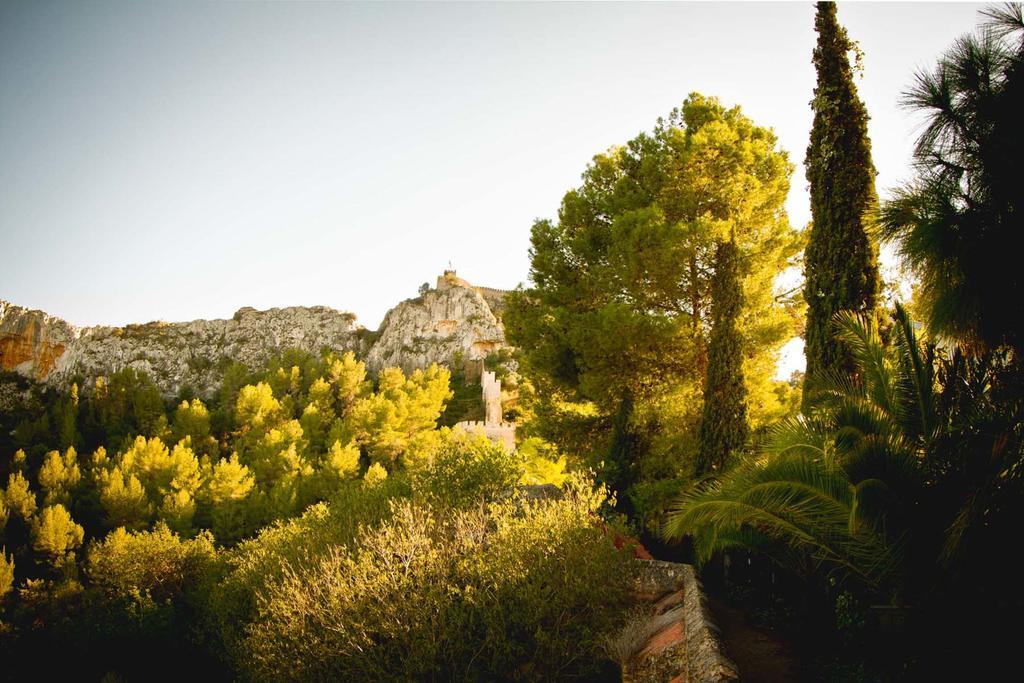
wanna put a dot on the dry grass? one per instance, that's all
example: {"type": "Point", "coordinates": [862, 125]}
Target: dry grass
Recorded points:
{"type": "Point", "coordinates": [640, 626]}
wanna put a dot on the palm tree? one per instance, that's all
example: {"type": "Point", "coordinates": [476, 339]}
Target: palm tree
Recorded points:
{"type": "Point", "coordinates": [958, 224]}
{"type": "Point", "coordinates": [912, 468]}
{"type": "Point", "coordinates": [835, 489]}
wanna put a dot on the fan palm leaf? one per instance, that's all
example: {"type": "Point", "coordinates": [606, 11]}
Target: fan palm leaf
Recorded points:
{"type": "Point", "coordinates": [832, 487]}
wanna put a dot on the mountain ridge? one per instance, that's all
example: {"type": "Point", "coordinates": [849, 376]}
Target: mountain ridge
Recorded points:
{"type": "Point", "coordinates": [453, 322]}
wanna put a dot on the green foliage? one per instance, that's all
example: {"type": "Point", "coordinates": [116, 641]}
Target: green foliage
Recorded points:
{"type": "Point", "coordinates": [724, 429]}
{"type": "Point", "coordinates": [471, 596]}
{"type": "Point", "coordinates": [20, 499]}
{"type": "Point", "coordinates": [192, 421]}
{"type": "Point", "coordinates": [124, 499]}
{"type": "Point", "coordinates": [375, 476]}
{"type": "Point", "coordinates": [256, 406]}
{"type": "Point", "coordinates": [347, 378]}
{"type": "Point", "coordinates": [465, 403]}
{"type": "Point", "coordinates": [467, 470]}
{"type": "Point", "coordinates": [958, 224]}
{"type": "Point", "coordinates": [6, 572]}
{"type": "Point", "coordinates": [156, 563]}
{"type": "Point", "coordinates": [246, 572]}
{"type": "Point", "coordinates": [826, 486]}
{"type": "Point", "coordinates": [59, 476]}
{"type": "Point", "coordinates": [149, 479]}
{"type": "Point", "coordinates": [542, 463]}
{"type": "Point", "coordinates": [55, 535]}
{"type": "Point", "coordinates": [124, 405]}
{"type": "Point", "coordinates": [864, 485]}
{"type": "Point", "coordinates": [618, 316]}
{"type": "Point", "coordinates": [65, 413]}
{"type": "Point", "coordinates": [386, 422]}
{"type": "Point", "coordinates": [841, 259]}
{"type": "Point", "coordinates": [302, 431]}
{"type": "Point", "coordinates": [341, 463]}
{"type": "Point", "coordinates": [224, 497]}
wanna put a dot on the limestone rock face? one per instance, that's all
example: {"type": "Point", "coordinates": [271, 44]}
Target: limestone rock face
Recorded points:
{"type": "Point", "coordinates": [31, 341]}
{"type": "Point", "coordinates": [452, 320]}
{"type": "Point", "coordinates": [172, 354]}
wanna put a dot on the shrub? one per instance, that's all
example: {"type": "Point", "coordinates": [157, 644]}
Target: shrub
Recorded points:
{"type": "Point", "coordinates": [154, 562]}
{"type": "Point", "coordinates": [244, 574]}
{"type": "Point", "coordinates": [510, 590]}
{"type": "Point", "coordinates": [55, 535]}
{"type": "Point", "coordinates": [467, 469]}
{"type": "Point", "coordinates": [6, 572]}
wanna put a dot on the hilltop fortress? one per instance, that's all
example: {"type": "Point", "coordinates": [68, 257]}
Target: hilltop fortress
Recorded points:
{"type": "Point", "coordinates": [455, 321]}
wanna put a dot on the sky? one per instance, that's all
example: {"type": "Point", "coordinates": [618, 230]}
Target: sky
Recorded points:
{"type": "Point", "coordinates": [180, 160]}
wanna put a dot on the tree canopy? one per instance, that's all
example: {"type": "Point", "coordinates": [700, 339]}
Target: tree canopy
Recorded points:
{"type": "Point", "coordinates": [619, 310]}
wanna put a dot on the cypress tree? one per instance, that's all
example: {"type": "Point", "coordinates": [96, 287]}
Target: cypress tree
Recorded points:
{"type": "Point", "coordinates": [723, 428]}
{"type": "Point", "coordinates": [841, 260]}
{"type": "Point", "coordinates": [618, 472]}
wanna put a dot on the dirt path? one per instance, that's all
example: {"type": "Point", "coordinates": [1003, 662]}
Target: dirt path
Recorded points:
{"type": "Point", "coordinates": [761, 655]}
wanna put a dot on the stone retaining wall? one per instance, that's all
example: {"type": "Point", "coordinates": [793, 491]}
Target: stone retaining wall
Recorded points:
{"type": "Point", "coordinates": [683, 645]}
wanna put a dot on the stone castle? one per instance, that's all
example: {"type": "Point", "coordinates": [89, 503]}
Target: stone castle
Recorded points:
{"type": "Point", "coordinates": [494, 426]}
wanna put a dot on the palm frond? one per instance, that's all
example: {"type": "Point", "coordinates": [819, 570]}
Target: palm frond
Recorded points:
{"type": "Point", "coordinates": [1005, 20]}
{"type": "Point", "coordinates": [917, 381]}
{"type": "Point", "coordinates": [808, 436]}
{"type": "Point", "coordinates": [804, 504]}
{"type": "Point", "coordinates": [877, 373]}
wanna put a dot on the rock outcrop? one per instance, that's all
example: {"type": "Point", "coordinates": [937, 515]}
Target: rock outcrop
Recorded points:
{"type": "Point", "coordinates": [174, 355]}
{"type": "Point", "coordinates": [451, 322]}
{"type": "Point", "coordinates": [31, 342]}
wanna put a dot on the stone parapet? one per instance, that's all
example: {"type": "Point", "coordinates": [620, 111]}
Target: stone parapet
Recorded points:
{"type": "Point", "coordinates": [675, 641]}
{"type": "Point", "coordinates": [501, 432]}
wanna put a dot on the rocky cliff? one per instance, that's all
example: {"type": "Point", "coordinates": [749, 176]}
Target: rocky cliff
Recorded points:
{"type": "Point", "coordinates": [31, 342]}
{"type": "Point", "coordinates": [453, 321]}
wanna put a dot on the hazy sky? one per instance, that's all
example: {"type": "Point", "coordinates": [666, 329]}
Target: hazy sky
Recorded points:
{"type": "Point", "coordinates": [180, 160]}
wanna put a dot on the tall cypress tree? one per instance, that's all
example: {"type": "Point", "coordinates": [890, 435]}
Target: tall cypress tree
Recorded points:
{"type": "Point", "coordinates": [724, 428]}
{"type": "Point", "coordinates": [841, 260]}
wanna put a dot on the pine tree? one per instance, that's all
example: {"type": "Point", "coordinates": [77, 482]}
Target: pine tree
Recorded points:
{"type": "Point", "coordinates": [841, 260]}
{"type": "Point", "coordinates": [6, 572]}
{"type": "Point", "coordinates": [724, 428]}
{"type": "Point", "coordinates": [958, 223]}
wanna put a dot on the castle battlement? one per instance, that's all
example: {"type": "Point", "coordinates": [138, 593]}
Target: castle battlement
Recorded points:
{"type": "Point", "coordinates": [500, 432]}
{"type": "Point", "coordinates": [471, 424]}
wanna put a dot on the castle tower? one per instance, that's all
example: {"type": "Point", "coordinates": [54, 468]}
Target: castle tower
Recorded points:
{"type": "Point", "coordinates": [492, 397]}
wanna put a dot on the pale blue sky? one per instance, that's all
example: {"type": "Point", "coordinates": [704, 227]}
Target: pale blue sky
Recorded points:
{"type": "Point", "coordinates": [180, 160]}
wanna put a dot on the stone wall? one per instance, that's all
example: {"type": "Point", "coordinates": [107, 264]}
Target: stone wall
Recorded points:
{"type": "Point", "coordinates": [675, 641]}
{"type": "Point", "coordinates": [495, 298]}
{"type": "Point", "coordinates": [491, 396]}
{"type": "Point", "coordinates": [501, 432]}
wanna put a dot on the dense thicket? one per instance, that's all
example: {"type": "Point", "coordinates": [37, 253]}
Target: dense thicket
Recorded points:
{"type": "Point", "coordinates": [841, 259]}
{"type": "Point", "coordinates": [158, 530]}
